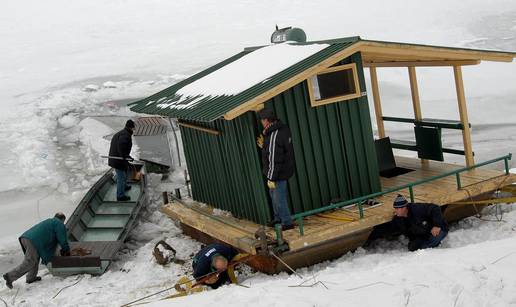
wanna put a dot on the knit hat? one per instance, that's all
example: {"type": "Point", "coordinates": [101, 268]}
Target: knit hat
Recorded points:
{"type": "Point", "coordinates": [400, 201]}
{"type": "Point", "coordinates": [267, 113]}
{"type": "Point", "coordinates": [129, 124]}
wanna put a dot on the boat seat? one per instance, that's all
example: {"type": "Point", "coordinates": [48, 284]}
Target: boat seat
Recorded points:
{"type": "Point", "coordinates": [102, 234]}
{"type": "Point", "coordinates": [108, 208]}
{"type": "Point", "coordinates": [109, 221]}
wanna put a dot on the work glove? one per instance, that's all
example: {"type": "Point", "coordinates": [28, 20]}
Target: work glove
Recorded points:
{"type": "Point", "coordinates": [65, 253]}
{"type": "Point", "coordinates": [271, 184]}
{"type": "Point", "coordinates": [259, 141]}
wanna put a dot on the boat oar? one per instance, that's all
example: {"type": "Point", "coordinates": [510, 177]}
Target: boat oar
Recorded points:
{"type": "Point", "coordinates": [121, 158]}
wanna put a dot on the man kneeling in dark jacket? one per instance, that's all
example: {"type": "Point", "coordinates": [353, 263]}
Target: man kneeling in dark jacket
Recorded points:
{"type": "Point", "coordinates": [213, 258]}
{"type": "Point", "coordinates": [423, 224]}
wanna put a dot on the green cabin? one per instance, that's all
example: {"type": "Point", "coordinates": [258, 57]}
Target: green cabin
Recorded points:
{"type": "Point", "coordinates": [318, 89]}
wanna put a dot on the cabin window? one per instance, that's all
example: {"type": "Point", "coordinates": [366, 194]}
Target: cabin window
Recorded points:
{"type": "Point", "coordinates": [334, 84]}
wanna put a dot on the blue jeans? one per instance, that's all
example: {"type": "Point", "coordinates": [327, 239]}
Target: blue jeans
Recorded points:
{"type": "Point", "coordinates": [422, 243]}
{"type": "Point", "coordinates": [121, 180]}
{"type": "Point", "coordinates": [279, 203]}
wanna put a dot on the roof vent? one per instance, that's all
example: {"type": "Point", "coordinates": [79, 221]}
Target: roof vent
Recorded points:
{"type": "Point", "coordinates": [288, 34]}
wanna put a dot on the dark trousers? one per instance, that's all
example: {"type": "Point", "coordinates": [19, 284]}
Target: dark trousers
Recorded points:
{"type": "Point", "coordinates": [121, 181]}
{"type": "Point", "coordinates": [29, 265]}
{"type": "Point", "coordinates": [279, 203]}
{"type": "Point", "coordinates": [426, 242]}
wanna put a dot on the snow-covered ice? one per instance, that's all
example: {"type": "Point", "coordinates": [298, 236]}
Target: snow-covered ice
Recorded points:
{"type": "Point", "coordinates": [65, 62]}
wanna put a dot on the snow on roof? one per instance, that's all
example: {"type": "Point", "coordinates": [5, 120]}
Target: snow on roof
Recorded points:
{"type": "Point", "coordinates": [254, 68]}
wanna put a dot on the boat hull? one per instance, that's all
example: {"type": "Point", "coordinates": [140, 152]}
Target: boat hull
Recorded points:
{"type": "Point", "coordinates": [99, 226]}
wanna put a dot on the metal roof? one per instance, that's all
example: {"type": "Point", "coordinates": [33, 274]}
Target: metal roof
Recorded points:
{"type": "Point", "coordinates": [210, 108]}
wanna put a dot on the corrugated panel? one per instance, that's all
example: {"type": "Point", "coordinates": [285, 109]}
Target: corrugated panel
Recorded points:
{"type": "Point", "coordinates": [334, 150]}
{"type": "Point", "coordinates": [209, 109]}
{"type": "Point", "coordinates": [225, 169]}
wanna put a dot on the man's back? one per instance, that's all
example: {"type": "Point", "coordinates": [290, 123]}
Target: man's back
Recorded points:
{"type": "Point", "coordinates": [278, 152]}
{"type": "Point", "coordinates": [202, 263]}
{"type": "Point", "coordinates": [45, 236]}
{"type": "Point", "coordinates": [120, 146]}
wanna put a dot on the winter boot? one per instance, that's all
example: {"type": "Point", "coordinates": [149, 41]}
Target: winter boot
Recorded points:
{"type": "Point", "coordinates": [123, 198]}
{"type": "Point", "coordinates": [8, 281]}
{"type": "Point", "coordinates": [36, 279]}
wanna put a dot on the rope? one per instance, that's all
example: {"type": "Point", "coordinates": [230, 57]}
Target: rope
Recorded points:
{"type": "Point", "coordinates": [164, 290]}
{"type": "Point", "coordinates": [369, 285]}
{"type": "Point", "coordinates": [285, 264]}
{"type": "Point", "coordinates": [15, 295]}
{"type": "Point", "coordinates": [498, 212]}
{"type": "Point", "coordinates": [494, 262]}
{"type": "Point", "coordinates": [78, 280]}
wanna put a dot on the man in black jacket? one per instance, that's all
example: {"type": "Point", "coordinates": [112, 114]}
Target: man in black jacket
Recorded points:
{"type": "Point", "coordinates": [278, 164]}
{"type": "Point", "coordinates": [120, 150]}
{"type": "Point", "coordinates": [423, 224]}
{"type": "Point", "coordinates": [213, 258]}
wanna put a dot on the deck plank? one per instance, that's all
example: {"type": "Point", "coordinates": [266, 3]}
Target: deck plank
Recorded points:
{"type": "Point", "coordinates": [240, 233]}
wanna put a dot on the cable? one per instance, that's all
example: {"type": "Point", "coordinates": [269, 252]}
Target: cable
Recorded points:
{"type": "Point", "coordinates": [285, 264]}
{"type": "Point", "coordinates": [78, 280]}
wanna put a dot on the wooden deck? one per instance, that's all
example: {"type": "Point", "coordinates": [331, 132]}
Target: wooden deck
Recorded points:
{"type": "Point", "coordinates": [345, 222]}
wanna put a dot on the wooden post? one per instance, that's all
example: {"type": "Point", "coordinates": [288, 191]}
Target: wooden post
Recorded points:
{"type": "Point", "coordinates": [377, 102]}
{"type": "Point", "coordinates": [416, 104]}
{"type": "Point", "coordinates": [415, 93]}
{"type": "Point", "coordinates": [463, 111]}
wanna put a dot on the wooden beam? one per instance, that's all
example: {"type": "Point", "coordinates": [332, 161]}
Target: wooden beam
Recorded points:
{"type": "Point", "coordinates": [420, 63]}
{"type": "Point", "coordinates": [382, 57]}
{"type": "Point", "coordinates": [207, 130]}
{"type": "Point", "coordinates": [377, 102]}
{"type": "Point", "coordinates": [203, 222]}
{"type": "Point", "coordinates": [416, 103]}
{"type": "Point", "coordinates": [292, 81]}
{"type": "Point", "coordinates": [463, 112]}
{"type": "Point", "coordinates": [399, 50]}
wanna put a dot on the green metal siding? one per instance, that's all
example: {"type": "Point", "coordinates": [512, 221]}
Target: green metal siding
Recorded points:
{"type": "Point", "coordinates": [333, 145]}
{"type": "Point", "coordinates": [225, 169]}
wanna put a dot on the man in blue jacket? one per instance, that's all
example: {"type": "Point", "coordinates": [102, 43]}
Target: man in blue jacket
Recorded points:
{"type": "Point", "coordinates": [278, 164]}
{"type": "Point", "coordinates": [213, 258]}
{"type": "Point", "coordinates": [423, 224]}
{"type": "Point", "coordinates": [40, 242]}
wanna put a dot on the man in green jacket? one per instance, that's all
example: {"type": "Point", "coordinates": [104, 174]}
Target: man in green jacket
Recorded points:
{"type": "Point", "coordinates": [40, 242]}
